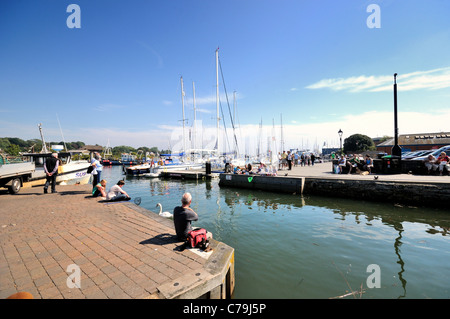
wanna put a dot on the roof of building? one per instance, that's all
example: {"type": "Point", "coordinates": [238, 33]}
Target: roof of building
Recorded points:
{"type": "Point", "coordinates": [93, 148]}
{"type": "Point", "coordinates": [420, 139]}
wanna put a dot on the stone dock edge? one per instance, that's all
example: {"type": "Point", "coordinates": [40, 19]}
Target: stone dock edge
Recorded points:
{"type": "Point", "coordinates": [420, 193]}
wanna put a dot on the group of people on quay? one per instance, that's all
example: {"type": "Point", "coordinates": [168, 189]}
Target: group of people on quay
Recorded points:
{"type": "Point", "coordinates": [287, 159]}
{"type": "Point", "coordinates": [354, 162]}
{"type": "Point", "coordinates": [433, 164]}
{"type": "Point", "coordinates": [115, 193]}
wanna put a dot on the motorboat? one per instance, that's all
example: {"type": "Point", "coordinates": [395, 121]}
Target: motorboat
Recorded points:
{"type": "Point", "coordinates": [69, 171]}
{"type": "Point", "coordinates": [138, 170]}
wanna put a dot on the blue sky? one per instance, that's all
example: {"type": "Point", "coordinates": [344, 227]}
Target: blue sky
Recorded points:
{"type": "Point", "coordinates": [315, 62]}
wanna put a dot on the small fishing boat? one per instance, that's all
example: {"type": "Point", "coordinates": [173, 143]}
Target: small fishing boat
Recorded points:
{"type": "Point", "coordinates": [69, 171]}
{"type": "Point", "coordinates": [138, 170]}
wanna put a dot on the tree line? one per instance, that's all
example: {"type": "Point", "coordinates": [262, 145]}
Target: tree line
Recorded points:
{"type": "Point", "coordinates": [14, 146]}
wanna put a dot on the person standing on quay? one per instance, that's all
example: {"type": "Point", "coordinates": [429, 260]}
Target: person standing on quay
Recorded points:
{"type": "Point", "coordinates": [98, 167]}
{"type": "Point", "coordinates": [289, 160]}
{"type": "Point", "coordinates": [51, 171]}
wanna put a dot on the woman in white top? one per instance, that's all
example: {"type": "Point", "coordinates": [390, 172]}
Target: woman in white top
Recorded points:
{"type": "Point", "coordinates": [117, 193]}
{"type": "Point", "coordinates": [98, 167]}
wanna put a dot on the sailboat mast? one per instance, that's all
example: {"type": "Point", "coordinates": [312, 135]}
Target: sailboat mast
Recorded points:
{"type": "Point", "coordinates": [195, 118]}
{"type": "Point", "coordinates": [60, 129]}
{"type": "Point", "coordinates": [182, 104]}
{"type": "Point", "coordinates": [44, 147]}
{"type": "Point", "coordinates": [234, 126]}
{"type": "Point", "coordinates": [234, 106]}
{"type": "Point", "coordinates": [282, 139]}
{"type": "Point", "coordinates": [217, 98]}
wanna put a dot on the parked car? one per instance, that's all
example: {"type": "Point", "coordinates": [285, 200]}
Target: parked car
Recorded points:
{"type": "Point", "coordinates": [416, 154]}
{"type": "Point", "coordinates": [435, 153]}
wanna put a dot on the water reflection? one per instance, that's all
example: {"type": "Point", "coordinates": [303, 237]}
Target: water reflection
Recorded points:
{"type": "Point", "coordinates": [409, 244]}
{"type": "Point", "coordinates": [358, 212]}
{"type": "Point", "coordinates": [361, 211]}
{"type": "Point", "coordinates": [397, 243]}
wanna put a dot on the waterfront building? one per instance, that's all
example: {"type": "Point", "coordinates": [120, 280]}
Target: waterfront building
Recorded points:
{"type": "Point", "coordinates": [416, 142]}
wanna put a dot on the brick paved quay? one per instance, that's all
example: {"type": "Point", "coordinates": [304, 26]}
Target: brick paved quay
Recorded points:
{"type": "Point", "coordinates": [123, 251]}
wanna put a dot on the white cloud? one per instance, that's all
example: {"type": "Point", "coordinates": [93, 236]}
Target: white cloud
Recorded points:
{"type": "Point", "coordinates": [431, 79]}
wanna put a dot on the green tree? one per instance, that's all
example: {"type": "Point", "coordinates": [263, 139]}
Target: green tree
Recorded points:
{"type": "Point", "coordinates": [13, 149]}
{"type": "Point", "coordinates": [385, 138]}
{"type": "Point", "coordinates": [34, 145]}
{"type": "Point", "coordinates": [118, 150]}
{"type": "Point", "coordinates": [358, 143]}
{"type": "Point", "coordinates": [18, 141]}
{"type": "Point", "coordinates": [4, 143]}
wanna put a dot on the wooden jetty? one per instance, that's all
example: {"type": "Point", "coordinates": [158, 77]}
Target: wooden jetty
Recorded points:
{"type": "Point", "coordinates": [188, 174]}
{"type": "Point", "coordinates": [121, 251]}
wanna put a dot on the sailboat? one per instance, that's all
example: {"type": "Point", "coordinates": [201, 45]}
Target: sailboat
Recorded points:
{"type": "Point", "coordinates": [169, 162]}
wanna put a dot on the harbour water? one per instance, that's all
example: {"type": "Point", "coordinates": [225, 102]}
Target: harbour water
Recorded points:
{"type": "Point", "coordinates": [292, 246]}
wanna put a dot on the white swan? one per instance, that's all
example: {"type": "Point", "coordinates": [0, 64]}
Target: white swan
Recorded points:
{"type": "Point", "coordinates": [163, 214]}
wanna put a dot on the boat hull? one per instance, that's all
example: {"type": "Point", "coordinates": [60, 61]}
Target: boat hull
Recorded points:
{"type": "Point", "coordinates": [155, 171]}
{"type": "Point", "coordinates": [72, 173]}
{"type": "Point", "coordinates": [138, 170]}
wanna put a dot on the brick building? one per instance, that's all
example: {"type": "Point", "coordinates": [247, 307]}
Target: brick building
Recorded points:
{"type": "Point", "coordinates": [417, 142]}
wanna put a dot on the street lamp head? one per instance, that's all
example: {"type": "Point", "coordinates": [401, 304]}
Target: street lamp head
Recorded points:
{"type": "Point", "coordinates": [340, 132]}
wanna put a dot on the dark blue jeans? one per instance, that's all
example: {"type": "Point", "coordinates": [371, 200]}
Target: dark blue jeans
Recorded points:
{"type": "Point", "coordinates": [119, 197]}
{"type": "Point", "coordinates": [50, 179]}
{"type": "Point", "coordinates": [96, 178]}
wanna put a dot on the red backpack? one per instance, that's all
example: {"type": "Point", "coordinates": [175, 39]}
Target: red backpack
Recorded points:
{"type": "Point", "coordinates": [197, 238]}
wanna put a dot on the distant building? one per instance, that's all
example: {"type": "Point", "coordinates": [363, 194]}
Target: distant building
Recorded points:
{"type": "Point", "coordinates": [125, 157]}
{"type": "Point", "coordinates": [329, 150]}
{"type": "Point", "coordinates": [377, 140]}
{"type": "Point", "coordinates": [416, 142]}
{"type": "Point", "coordinates": [92, 148]}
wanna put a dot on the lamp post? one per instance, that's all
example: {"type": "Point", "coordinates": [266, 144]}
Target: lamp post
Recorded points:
{"type": "Point", "coordinates": [340, 138]}
{"type": "Point", "coordinates": [396, 150]}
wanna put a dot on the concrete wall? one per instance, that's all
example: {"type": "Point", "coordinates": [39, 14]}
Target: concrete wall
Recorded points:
{"type": "Point", "coordinates": [268, 183]}
{"type": "Point", "coordinates": [409, 193]}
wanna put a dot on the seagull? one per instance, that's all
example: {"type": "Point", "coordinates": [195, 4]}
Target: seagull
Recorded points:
{"type": "Point", "coordinates": [163, 214]}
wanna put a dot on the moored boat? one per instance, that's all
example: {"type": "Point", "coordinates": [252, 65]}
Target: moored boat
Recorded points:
{"type": "Point", "coordinates": [138, 170]}
{"type": "Point", "coordinates": [69, 171]}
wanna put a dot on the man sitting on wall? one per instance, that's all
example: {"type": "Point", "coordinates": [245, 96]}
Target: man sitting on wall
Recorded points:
{"type": "Point", "coordinates": [443, 161]}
